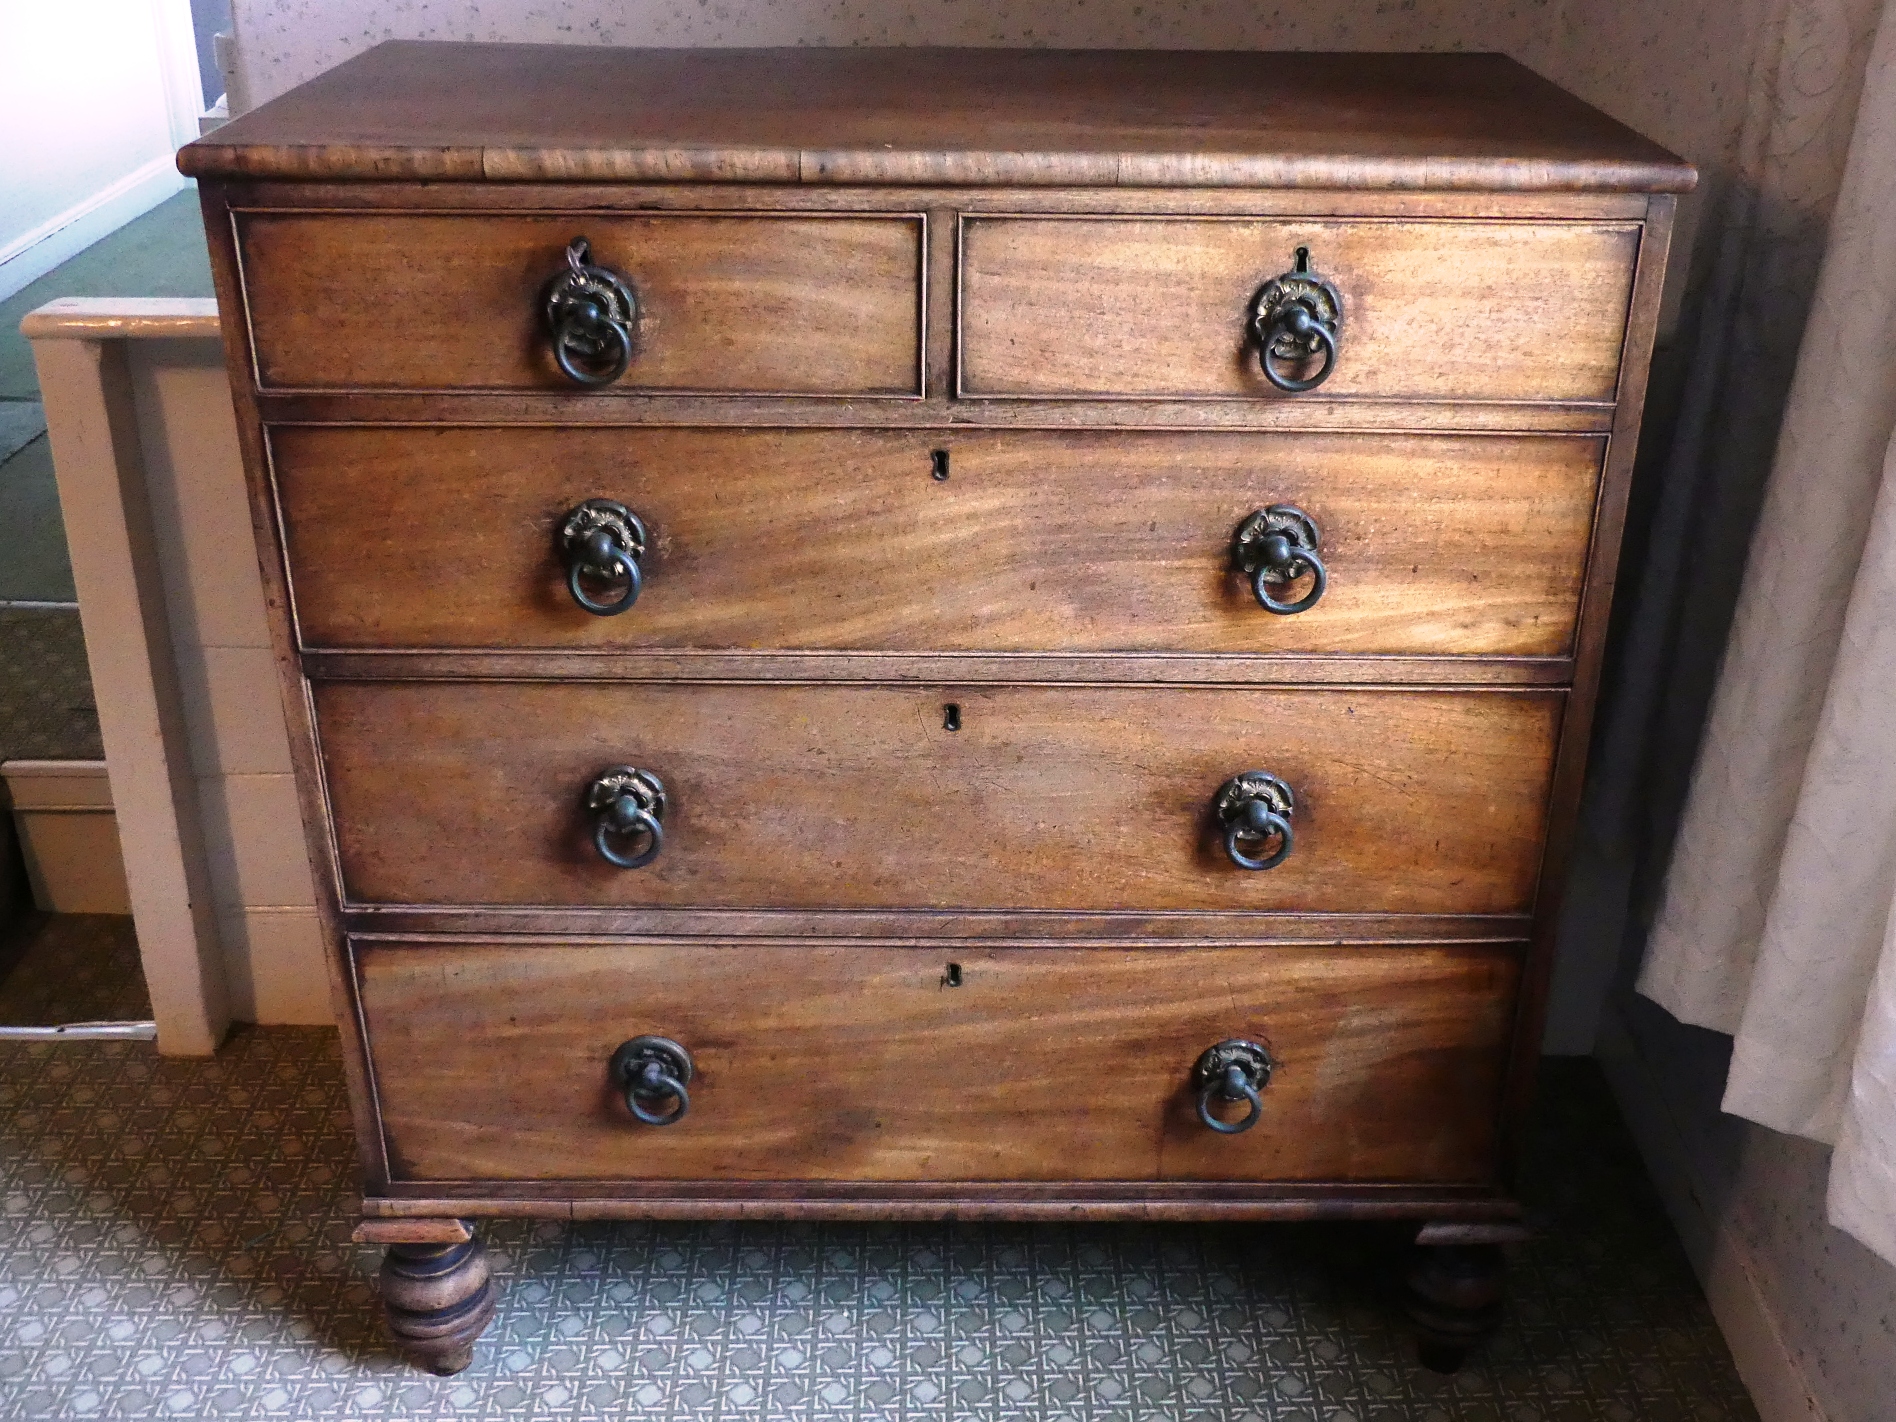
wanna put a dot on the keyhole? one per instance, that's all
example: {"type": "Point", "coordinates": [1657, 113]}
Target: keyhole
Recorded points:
{"type": "Point", "coordinates": [951, 717]}
{"type": "Point", "coordinates": [938, 466]}
{"type": "Point", "coordinates": [952, 978]}
{"type": "Point", "coordinates": [1303, 259]}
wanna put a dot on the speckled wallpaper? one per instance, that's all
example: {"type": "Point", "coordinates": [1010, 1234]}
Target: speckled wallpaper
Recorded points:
{"type": "Point", "coordinates": [1624, 55]}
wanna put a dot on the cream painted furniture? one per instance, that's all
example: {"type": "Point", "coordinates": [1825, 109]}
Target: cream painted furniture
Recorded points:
{"type": "Point", "coordinates": [62, 810]}
{"type": "Point", "coordinates": [151, 488]}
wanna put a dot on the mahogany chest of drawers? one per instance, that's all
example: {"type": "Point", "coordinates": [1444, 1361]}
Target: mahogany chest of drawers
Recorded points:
{"type": "Point", "coordinates": [910, 634]}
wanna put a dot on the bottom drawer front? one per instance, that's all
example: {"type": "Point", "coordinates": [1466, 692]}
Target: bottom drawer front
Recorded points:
{"type": "Point", "coordinates": [857, 1063]}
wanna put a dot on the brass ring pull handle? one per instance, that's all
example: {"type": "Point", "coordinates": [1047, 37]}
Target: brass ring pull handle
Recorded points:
{"type": "Point", "coordinates": [651, 1071]}
{"type": "Point", "coordinates": [627, 803]}
{"type": "Point", "coordinates": [603, 541]}
{"type": "Point", "coordinates": [1294, 320]}
{"type": "Point", "coordinates": [1255, 808]}
{"type": "Point", "coordinates": [590, 312]}
{"type": "Point", "coordinates": [1234, 1070]}
{"type": "Point", "coordinates": [1277, 546]}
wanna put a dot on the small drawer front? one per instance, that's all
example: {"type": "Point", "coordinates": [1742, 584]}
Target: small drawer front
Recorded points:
{"type": "Point", "coordinates": [860, 797]}
{"type": "Point", "coordinates": [1034, 541]}
{"type": "Point", "coordinates": [1430, 310]}
{"type": "Point", "coordinates": [863, 1063]}
{"type": "Point", "coordinates": [741, 304]}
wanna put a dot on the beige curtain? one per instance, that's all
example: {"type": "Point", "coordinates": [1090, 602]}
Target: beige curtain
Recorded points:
{"type": "Point", "coordinates": [1778, 919]}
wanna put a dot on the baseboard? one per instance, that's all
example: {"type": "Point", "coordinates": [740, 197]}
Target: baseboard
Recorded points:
{"type": "Point", "coordinates": [1767, 1366]}
{"type": "Point", "coordinates": [29, 257]}
{"type": "Point", "coordinates": [275, 966]}
{"type": "Point", "coordinates": [68, 835]}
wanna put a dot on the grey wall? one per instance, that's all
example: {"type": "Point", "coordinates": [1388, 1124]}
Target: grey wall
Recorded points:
{"type": "Point", "coordinates": [1752, 1201]}
{"type": "Point", "coordinates": [208, 18]}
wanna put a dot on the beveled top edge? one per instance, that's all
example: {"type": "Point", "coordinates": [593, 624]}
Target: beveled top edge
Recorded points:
{"type": "Point", "coordinates": [410, 110]}
{"type": "Point", "coordinates": [121, 317]}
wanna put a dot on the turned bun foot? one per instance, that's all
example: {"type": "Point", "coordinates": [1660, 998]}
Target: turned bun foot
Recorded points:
{"type": "Point", "coordinates": [439, 1298]}
{"type": "Point", "coordinates": [1453, 1296]}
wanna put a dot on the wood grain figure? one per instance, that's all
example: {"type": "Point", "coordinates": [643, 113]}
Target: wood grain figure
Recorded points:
{"type": "Point", "coordinates": [875, 1063]}
{"type": "Point", "coordinates": [1475, 311]}
{"type": "Point", "coordinates": [806, 305]}
{"type": "Point", "coordinates": [936, 540]}
{"type": "Point", "coordinates": [861, 797]}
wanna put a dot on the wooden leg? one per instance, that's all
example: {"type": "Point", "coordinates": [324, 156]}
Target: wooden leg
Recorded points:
{"type": "Point", "coordinates": [1453, 1297]}
{"type": "Point", "coordinates": [437, 1291]}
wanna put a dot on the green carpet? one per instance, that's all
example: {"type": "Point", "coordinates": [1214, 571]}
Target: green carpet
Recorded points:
{"type": "Point", "coordinates": [160, 254]}
{"type": "Point", "coordinates": [33, 561]}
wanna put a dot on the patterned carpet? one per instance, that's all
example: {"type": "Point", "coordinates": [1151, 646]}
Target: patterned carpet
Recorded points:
{"type": "Point", "coordinates": [174, 1242]}
{"type": "Point", "coordinates": [46, 707]}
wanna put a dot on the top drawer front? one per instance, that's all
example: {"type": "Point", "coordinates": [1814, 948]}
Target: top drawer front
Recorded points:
{"type": "Point", "coordinates": [729, 304]}
{"type": "Point", "coordinates": [1158, 308]}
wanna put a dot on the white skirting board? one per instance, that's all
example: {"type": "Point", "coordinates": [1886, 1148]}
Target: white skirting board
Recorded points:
{"type": "Point", "coordinates": [62, 813]}
{"type": "Point", "coordinates": [33, 254]}
{"type": "Point", "coordinates": [1731, 1279]}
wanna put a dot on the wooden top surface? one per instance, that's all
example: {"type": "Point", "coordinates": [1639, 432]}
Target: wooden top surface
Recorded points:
{"type": "Point", "coordinates": [408, 110]}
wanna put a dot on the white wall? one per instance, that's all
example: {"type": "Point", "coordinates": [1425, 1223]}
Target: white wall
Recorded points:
{"type": "Point", "coordinates": [95, 97]}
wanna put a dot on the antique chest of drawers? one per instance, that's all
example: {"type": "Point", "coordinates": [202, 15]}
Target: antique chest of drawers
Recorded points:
{"type": "Point", "coordinates": [908, 634]}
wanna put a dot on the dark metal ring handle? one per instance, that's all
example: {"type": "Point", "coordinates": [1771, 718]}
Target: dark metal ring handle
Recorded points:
{"type": "Point", "coordinates": [590, 312]}
{"type": "Point", "coordinates": [590, 347]}
{"type": "Point", "coordinates": [1233, 1070]}
{"type": "Point", "coordinates": [1259, 822]}
{"type": "Point", "coordinates": [625, 818]}
{"type": "Point", "coordinates": [1278, 545]}
{"type": "Point", "coordinates": [626, 803]}
{"type": "Point", "coordinates": [1298, 564]}
{"type": "Point", "coordinates": [1234, 1087]}
{"type": "Point", "coordinates": [1299, 324]}
{"type": "Point", "coordinates": [603, 541]}
{"type": "Point", "coordinates": [1256, 807]}
{"type": "Point", "coordinates": [654, 1084]}
{"type": "Point", "coordinates": [603, 552]}
{"type": "Point", "coordinates": [1295, 317]}
{"type": "Point", "coordinates": [650, 1071]}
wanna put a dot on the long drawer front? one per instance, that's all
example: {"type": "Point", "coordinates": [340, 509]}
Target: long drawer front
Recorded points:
{"type": "Point", "coordinates": [936, 539]}
{"type": "Point", "coordinates": [491, 1061]}
{"type": "Point", "coordinates": [858, 797]}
